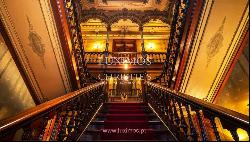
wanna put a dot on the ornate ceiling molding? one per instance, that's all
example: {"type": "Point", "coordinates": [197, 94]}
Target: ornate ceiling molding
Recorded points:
{"type": "Point", "coordinates": [136, 16]}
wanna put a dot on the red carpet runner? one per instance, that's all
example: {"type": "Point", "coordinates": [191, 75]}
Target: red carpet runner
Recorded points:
{"type": "Point", "coordinates": [126, 121]}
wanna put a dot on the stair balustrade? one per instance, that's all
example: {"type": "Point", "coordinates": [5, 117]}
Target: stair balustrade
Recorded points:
{"type": "Point", "coordinates": [94, 57]}
{"type": "Point", "coordinates": [190, 118]}
{"type": "Point", "coordinates": [63, 118]}
{"type": "Point", "coordinates": [67, 117]}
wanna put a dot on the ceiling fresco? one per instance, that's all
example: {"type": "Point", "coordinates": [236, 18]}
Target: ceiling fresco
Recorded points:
{"type": "Point", "coordinates": [126, 17]}
{"type": "Point", "coordinates": [128, 4]}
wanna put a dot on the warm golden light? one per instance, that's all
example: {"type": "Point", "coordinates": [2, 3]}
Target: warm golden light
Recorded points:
{"type": "Point", "coordinates": [125, 77]}
{"type": "Point", "coordinates": [243, 136]}
{"type": "Point", "coordinates": [151, 45]}
{"type": "Point", "coordinates": [97, 45]}
{"type": "Point", "coordinates": [125, 66]}
{"type": "Point", "coordinates": [125, 62]}
{"type": "Point", "coordinates": [155, 45]}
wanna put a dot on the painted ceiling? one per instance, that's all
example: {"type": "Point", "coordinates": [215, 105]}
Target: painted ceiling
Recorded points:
{"type": "Point", "coordinates": [156, 28]}
{"type": "Point", "coordinates": [128, 4]}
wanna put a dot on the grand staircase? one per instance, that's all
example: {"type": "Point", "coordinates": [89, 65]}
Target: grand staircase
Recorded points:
{"type": "Point", "coordinates": [164, 115]}
{"type": "Point", "coordinates": [126, 121]}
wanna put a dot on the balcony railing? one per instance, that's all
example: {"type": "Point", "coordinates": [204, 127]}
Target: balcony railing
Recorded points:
{"type": "Point", "coordinates": [131, 57]}
{"type": "Point", "coordinates": [63, 118]}
{"type": "Point", "coordinates": [193, 119]}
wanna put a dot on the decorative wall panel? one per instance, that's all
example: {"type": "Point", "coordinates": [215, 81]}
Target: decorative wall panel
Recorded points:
{"type": "Point", "coordinates": [32, 31]}
{"type": "Point", "coordinates": [215, 46]}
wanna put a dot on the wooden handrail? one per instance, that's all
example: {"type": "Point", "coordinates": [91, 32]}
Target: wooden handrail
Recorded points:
{"type": "Point", "coordinates": [44, 107]}
{"type": "Point", "coordinates": [229, 119]}
{"type": "Point", "coordinates": [24, 119]}
{"type": "Point", "coordinates": [244, 119]}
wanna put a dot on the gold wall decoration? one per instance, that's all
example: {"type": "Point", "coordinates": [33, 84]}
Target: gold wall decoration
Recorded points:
{"type": "Point", "coordinates": [14, 17]}
{"type": "Point", "coordinates": [36, 43]}
{"type": "Point", "coordinates": [215, 43]}
{"type": "Point", "coordinates": [220, 32]}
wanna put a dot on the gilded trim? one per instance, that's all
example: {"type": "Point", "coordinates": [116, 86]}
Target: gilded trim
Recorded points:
{"type": "Point", "coordinates": [53, 34]}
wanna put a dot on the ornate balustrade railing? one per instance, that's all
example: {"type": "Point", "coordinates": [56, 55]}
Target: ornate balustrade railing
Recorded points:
{"type": "Point", "coordinates": [183, 29]}
{"type": "Point", "coordinates": [156, 57]}
{"type": "Point", "coordinates": [94, 57]}
{"type": "Point", "coordinates": [130, 57]}
{"type": "Point", "coordinates": [190, 118]}
{"type": "Point", "coordinates": [72, 12]}
{"type": "Point", "coordinates": [63, 118]}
